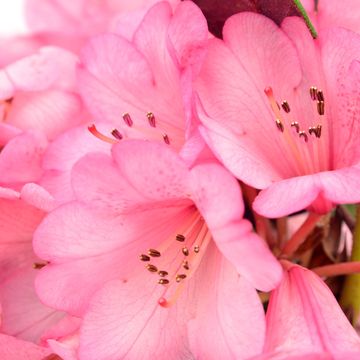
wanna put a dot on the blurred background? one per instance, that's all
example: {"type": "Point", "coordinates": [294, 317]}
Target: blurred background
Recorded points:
{"type": "Point", "coordinates": [11, 17]}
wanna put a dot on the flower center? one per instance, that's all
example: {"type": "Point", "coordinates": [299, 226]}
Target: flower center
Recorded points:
{"type": "Point", "coordinates": [150, 131]}
{"type": "Point", "coordinates": [306, 145]}
{"type": "Point", "coordinates": [191, 241]}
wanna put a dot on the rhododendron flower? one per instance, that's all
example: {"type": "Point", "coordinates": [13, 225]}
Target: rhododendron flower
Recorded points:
{"type": "Point", "coordinates": [304, 321]}
{"type": "Point", "coordinates": [157, 234]}
{"type": "Point", "coordinates": [281, 112]}
{"type": "Point", "coordinates": [147, 81]}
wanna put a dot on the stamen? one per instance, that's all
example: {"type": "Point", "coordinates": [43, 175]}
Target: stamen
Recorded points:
{"type": "Point", "coordinates": [279, 125]}
{"type": "Point", "coordinates": [320, 95]}
{"type": "Point", "coordinates": [127, 119]}
{"type": "Point", "coordinates": [275, 108]}
{"type": "Point", "coordinates": [285, 105]}
{"type": "Point", "coordinates": [186, 265]}
{"type": "Point", "coordinates": [154, 253]}
{"type": "Point", "coordinates": [321, 107]}
{"type": "Point", "coordinates": [101, 136]}
{"type": "Point", "coordinates": [144, 257]}
{"type": "Point", "coordinates": [163, 273]}
{"type": "Point", "coordinates": [38, 266]}
{"type": "Point", "coordinates": [163, 281]}
{"type": "Point", "coordinates": [296, 125]}
{"type": "Point", "coordinates": [151, 119]}
{"type": "Point", "coordinates": [166, 139]}
{"type": "Point", "coordinates": [318, 131]}
{"type": "Point", "coordinates": [312, 130]}
{"type": "Point", "coordinates": [313, 93]}
{"type": "Point", "coordinates": [152, 268]}
{"type": "Point", "coordinates": [304, 135]}
{"type": "Point", "coordinates": [116, 134]}
{"type": "Point", "coordinates": [185, 251]}
{"type": "Point", "coordinates": [180, 237]}
{"type": "Point", "coordinates": [180, 277]}
{"type": "Point", "coordinates": [196, 248]}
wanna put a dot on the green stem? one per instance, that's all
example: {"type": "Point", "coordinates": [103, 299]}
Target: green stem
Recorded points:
{"type": "Point", "coordinates": [306, 18]}
{"type": "Point", "coordinates": [350, 297]}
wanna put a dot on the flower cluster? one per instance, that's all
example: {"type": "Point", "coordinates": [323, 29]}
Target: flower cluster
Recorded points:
{"type": "Point", "coordinates": [160, 187]}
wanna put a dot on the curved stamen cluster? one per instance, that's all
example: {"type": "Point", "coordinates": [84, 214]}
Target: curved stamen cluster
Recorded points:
{"type": "Point", "coordinates": [191, 241]}
{"type": "Point", "coordinates": [308, 159]}
{"type": "Point", "coordinates": [117, 135]}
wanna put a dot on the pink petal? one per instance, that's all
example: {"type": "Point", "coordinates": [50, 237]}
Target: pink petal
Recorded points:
{"type": "Point", "coordinates": [42, 70]}
{"type": "Point", "coordinates": [18, 221]}
{"type": "Point", "coordinates": [221, 328]}
{"type": "Point", "coordinates": [166, 174]}
{"type": "Point", "coordinates": [124, 320]}
{"type": "Point", "coordinates": [62, 154]}
{"type": "Point", "coordinates": [332, 13]}
{"type": "Point", "coordinates": [58, 184]}
{"type": "Point", "coordinates": [213, 185]}
{"type": "Point", "coordinates": [37, 196]}
{"type": "Point", "coordinates": [23, 315]}
{"type": "Point", "coordinates": [188, 33]}
{"type": "Point", "coordinates": [69, 147]}
{"type": "Point", "coordinates": [294, 194]}
{"type": "Point", "coordinates": [10, 194]}
{"type": "Point", "coordinates": [232, 126]}
{"type": "Point", "coordinates": [287, 196]}
{"type": "Point", "coordinates": [14, 349]}
{"type": "Point", "coordinates": [73, 232]}
{"type": "Point", "coordinates": [341, 186]}
{"type": "Point", "coordinates": [20, 160]}
{"type": "Point", "coordinates": [68, 296]}
{"type": "Point", "coordinates": [7, 132]}
{"type": "Point", "coordinates": [339, 48]}
{"type": "Point", "coordinates": [33, 111]}
{"type": "Point", "coordinates": [304, 315]}
{"type": "Point", "coordinates": [245, 34]}
{"type": "Point", "coordinates": [98, 183]}
{"type": "Point", "coordinates": [107, 83]}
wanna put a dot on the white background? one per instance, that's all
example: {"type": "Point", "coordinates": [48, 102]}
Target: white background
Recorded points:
{"type": "Point", "coordinates": [12, 17]}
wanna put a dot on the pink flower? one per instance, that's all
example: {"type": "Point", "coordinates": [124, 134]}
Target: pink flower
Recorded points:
{"type": "Point", "coordinates": [147, 81]}
{"type": "Point", "coordinates": [144, 201]}
{"type": "Point", "coordinates": [304, 152]}
{"type": "Point", "coordinates": [304, 321]}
